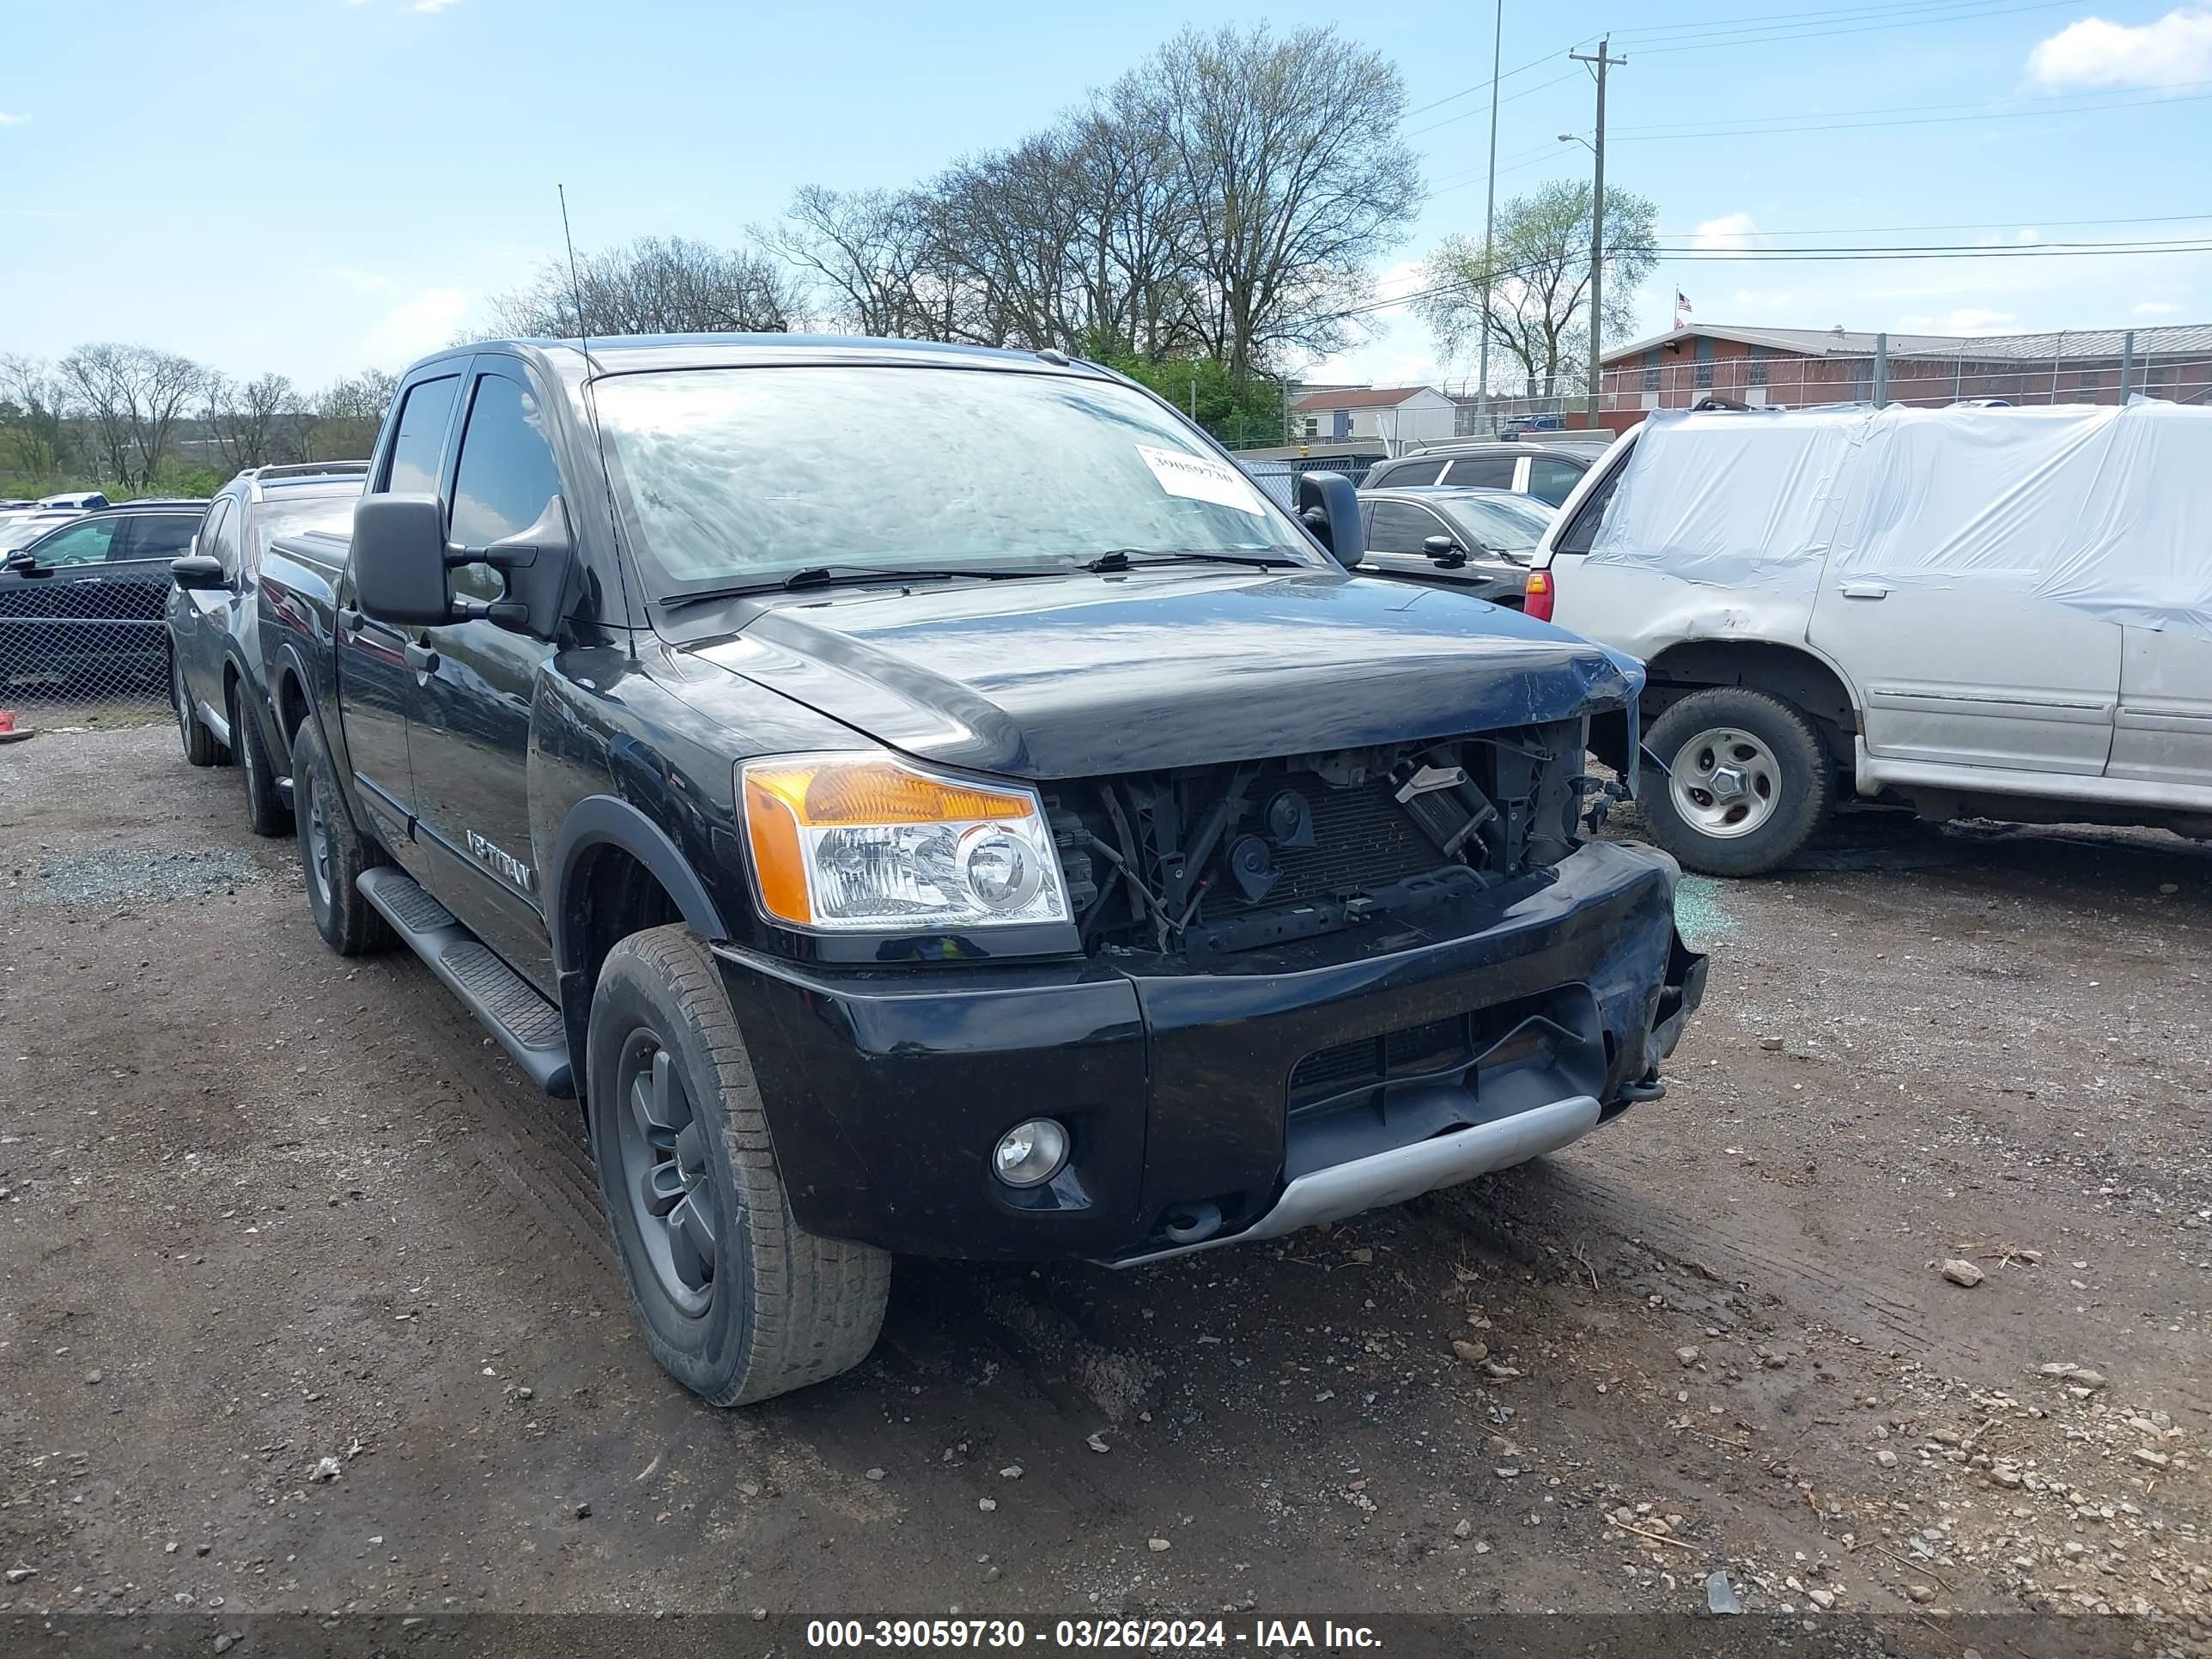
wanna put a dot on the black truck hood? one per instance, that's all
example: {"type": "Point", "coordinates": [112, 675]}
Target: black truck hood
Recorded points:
{"type": "Point", "coordinates": [1083, 675]}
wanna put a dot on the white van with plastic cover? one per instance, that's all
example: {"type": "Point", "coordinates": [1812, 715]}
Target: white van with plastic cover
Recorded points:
{"type": "Point", "coordinates": [1988, 612]}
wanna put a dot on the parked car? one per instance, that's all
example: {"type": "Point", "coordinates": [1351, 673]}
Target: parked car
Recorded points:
{"type": "Point", "coordinates": [1992, 612]}
{"type": "Point", "coordinates": [215, 683]}
{"type": "Point", "coordinates": [75, 500]}
{"type": "Point", "coordinates": [1547, 468]}
{"type": "Point", "coordinates": [84, 599]}
{"type": "Point", "coordinates": [19, 528]}
{"type": "Point", "coordinates": [1035, 845]}
{"type": "Point", "coordinates": [1480, 541]}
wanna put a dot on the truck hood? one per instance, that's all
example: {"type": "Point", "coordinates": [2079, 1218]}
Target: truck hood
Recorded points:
{"type": "Point", "coordinates": [1082, 676]}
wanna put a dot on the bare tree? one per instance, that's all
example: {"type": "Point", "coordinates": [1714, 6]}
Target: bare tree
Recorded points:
{"type": "Point", "coordinates": [347, 413]}
{"type": "Point", "coordinates": [1297, 181]}
{"type": "Point", "coordinates": [1536, 281]}
{"type": "Point", "coordinates": [877, 253]}
{"type": "Point", "coordinates": [249, 421]}
{"type": "Point", "coordinates": [133, 397]}
{"type": "Point", "coordinates": [33, 416]}
{"type": "Point", "coordinates": [656, 285]}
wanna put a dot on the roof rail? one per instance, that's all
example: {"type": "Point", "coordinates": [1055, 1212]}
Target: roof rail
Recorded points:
{"type": "Point", "coordinates": [305, 469]}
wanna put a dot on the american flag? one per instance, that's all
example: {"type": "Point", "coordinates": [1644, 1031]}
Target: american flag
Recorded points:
{"type": "Point", "coordinates": [1681, 307]}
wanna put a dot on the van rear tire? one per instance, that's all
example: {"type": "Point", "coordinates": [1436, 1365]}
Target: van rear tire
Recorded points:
{"type": "Point", "coordinates": [1747, 782]}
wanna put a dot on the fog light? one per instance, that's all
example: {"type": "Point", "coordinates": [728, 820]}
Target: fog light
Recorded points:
{"type": "Point", "coordinates": [1029, 1154]}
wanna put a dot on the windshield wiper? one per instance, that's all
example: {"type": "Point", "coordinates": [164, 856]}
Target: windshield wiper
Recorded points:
{"type": "Point", "coordinates": [828, 575]}
{"type": "Point", "coordinates": [1131, 558]}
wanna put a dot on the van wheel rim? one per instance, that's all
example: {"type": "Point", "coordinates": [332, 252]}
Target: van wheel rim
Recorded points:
{"type": "Point", "coordinates": [1725, 783]}
{"type": "Point", "coordinates": [664, 1173]}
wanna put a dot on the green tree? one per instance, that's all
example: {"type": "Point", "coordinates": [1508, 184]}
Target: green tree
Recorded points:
{"type": "Point", "coordinates": [1242, 414]}
{"type": "Point", "coordinates": [1534, 281]}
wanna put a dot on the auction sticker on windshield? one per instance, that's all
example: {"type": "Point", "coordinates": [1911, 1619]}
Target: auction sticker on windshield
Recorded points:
{"type": "Point", "coordinates": [1200, 479]}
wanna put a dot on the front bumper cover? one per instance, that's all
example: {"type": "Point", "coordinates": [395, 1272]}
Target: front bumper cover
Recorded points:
{"type": "Point", "coordinates": [885, 1089]}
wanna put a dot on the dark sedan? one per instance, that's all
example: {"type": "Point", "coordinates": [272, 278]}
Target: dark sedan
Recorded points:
{"type": "Point", "coordinates": [1479, 541]}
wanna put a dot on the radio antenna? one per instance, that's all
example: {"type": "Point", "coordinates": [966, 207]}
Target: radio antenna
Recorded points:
{"type": "Point", "coordinates": [575, 287]}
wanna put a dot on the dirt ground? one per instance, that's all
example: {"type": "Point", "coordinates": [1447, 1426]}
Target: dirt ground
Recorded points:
{"type": "Point", "coordinates": [307, 1305]}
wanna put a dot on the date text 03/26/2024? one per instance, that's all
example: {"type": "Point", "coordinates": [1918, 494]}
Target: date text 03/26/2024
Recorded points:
{"type": "Point", "coordinates": [1146, 1635]}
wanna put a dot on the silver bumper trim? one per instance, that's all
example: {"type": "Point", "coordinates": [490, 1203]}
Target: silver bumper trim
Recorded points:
{"type": "Point", "coordinates": [1404, 1172]}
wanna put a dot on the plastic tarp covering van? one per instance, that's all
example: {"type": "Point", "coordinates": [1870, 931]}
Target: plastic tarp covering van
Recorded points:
{"type": "Point", "coordinates": [2107, 509]}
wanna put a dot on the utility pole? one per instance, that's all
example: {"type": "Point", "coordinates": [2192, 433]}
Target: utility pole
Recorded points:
{"type": "Point", "coordinates": [1489, 226]}
{"type": "Point", "coordinates": [1597, 225]}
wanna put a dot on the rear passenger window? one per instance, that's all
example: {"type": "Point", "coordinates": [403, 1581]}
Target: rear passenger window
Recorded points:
{"type": "Point", "coordinates": [1550, 482]}
{"type": "Point", "coordinates": [415, 449]}
{"type": "Point", "coordinates": [161, 536]}
{"type": "Point", "coordinates": [1483, 473]}
{"type": "Point", "coordinates": [1414, 476]}
{"type": "Point", "coordinates": [1582, 535]}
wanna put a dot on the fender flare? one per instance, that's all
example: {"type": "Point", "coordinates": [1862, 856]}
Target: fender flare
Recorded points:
{"type": "Point", "coordinates": [609, 821]}
{"type": "Point", "coordinates": [341, 764]}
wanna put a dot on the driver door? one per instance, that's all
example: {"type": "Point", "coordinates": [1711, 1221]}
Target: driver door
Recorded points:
{"type": "Point", "coordinates": [45, 592]}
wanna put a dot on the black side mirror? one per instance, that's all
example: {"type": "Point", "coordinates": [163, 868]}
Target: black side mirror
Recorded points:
{"type": "Point", "coordinates": [1445, 551]}
{"type": "Point", "coordinates": [195, 573]}
{"type": "Point", "coordinates": [535, 562]}
{"type": "Point", "coordinates": [400, 560]}
{"type": "Point", "coordinates": [1329, 507]}
{"type": "Point", "coordinates": [19, 563]}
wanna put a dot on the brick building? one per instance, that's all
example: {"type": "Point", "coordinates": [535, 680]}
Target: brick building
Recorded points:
{"type": "Point", "coordinates": [1796, 367]}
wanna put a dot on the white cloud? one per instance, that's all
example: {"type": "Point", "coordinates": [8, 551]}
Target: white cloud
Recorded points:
{"type": "Point", "coordinates": [432, 5]}
{"type": "Point", "coordinates": [424, 323]}
{"type": "Point", "coordinates": [1730, 230]}
{"type": "Point", "coordinates": [2156, 309]}
{"type": "Point", "coordinates": [1765, 299]}
{"type": "Point", "coordinates": [2171, 53]}
{"type": "Point", "coordinates": [1977, 319]}
{"type": "Point", "coordinates": [8, 119]}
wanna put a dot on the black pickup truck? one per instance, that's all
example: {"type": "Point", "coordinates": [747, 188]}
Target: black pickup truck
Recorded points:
{"type": "Point", "coordinates": [924, 799]}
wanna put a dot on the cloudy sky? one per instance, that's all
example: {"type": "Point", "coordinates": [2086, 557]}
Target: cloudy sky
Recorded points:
{"type": "Point", "coordinates": [317, 186]}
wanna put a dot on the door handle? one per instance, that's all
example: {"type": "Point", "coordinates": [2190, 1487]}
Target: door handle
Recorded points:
{"type": "Point", "coordinates": [422, 658]}
{"type": "Point", "coordinates": [1864, 591]}
{"type": "Point", "coordinates": [348, 618]}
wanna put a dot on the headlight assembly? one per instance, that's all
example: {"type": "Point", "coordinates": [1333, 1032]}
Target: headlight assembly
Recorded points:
{"type": "Point", "coordinates": [863, 843]}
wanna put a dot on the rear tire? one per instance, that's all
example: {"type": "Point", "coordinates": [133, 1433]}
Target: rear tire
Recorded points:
{"type": "Point", "coordinates": [1748, 782]}
{"type": "Point", "coordinates": [265, 811]}
{"type": "Point", "coordinates": [200, 746]}
{"type": "Point", "coordinates": [738, 1303]}
{"type": "Point", "coordinates": [333, 853]}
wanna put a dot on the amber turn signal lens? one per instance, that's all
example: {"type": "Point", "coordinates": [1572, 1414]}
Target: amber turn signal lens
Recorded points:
{"type": "Point", "coordinates": [877, 792]}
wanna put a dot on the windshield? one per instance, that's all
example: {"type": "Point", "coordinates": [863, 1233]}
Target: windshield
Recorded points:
{"type": "Point", "coordinates": [1502, 521]}
{"type": "Point", "coordinates": [740, 475]}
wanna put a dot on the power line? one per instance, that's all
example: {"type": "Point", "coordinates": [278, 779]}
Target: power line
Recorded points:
{"type": "Point", "coordinates": [2055, 106]}
{"type": "Point", "coordinates": [1777, 20]}
{"type": "Point", "coordinates": [1525, 92]}
{"type": "Point", "coordinates": [1991, 224]}
{"type": "Point", "coordinates": [1922, 21]}
{"type": "Point", "coordinates": [1483, 86]}
{"type": "Point", "coordinates": [1816, 125]}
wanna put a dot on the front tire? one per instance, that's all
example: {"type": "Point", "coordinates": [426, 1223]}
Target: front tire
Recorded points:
{"type": "Point", "coordinates": [1747, 782]}
{"type": "Point", "coordinates": [333, 853]}
{"type": "Point", "coordinates": [737, 1302]}
{"type": "Point", "coordinates": [265, 811]}
{"type": "Point", "coordinates": [200, 746]}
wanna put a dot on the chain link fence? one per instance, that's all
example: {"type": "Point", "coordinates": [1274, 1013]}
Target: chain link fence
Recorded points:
{"type": "Point", "coordinates": [83, 643]}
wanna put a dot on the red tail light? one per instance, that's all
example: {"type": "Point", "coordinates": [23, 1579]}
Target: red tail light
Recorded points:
{"type": "Point", "coordinates": [1539, 602]}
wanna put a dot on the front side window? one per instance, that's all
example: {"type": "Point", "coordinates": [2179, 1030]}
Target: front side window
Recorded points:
{"type": "Point", "coordinates": [1508, 524]}
{"type": "Point", "coordinates": [218, 540]}
{"type": "Point", "coordinates": [416, 445]}
{"type": "Point", "coordinates": [1401, 527]}
{"type": "Point", "coordinates": [746, 474]}
{"type": "Point", "coordinates": [77, 543]}
{"type": "Point", "coordinates": [506, 478]}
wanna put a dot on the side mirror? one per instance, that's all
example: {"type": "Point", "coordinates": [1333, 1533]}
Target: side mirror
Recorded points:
{"type": "Point", "coordinates": [535, 562]}
{"type": "Point", "coordinates": [1445, 551]}
{"type": "Point", "coordinates": [195, 573]}
{"type": "Point", "coordinates": [398, 560]}
{"type": "Point", "coordinates": [1329, 507]}
{"type": "Point", "coordinates": [19, 563]}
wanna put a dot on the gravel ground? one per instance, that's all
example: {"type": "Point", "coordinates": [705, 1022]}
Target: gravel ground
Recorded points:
{"type": "Point", "coordinates": [309, 1308]}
